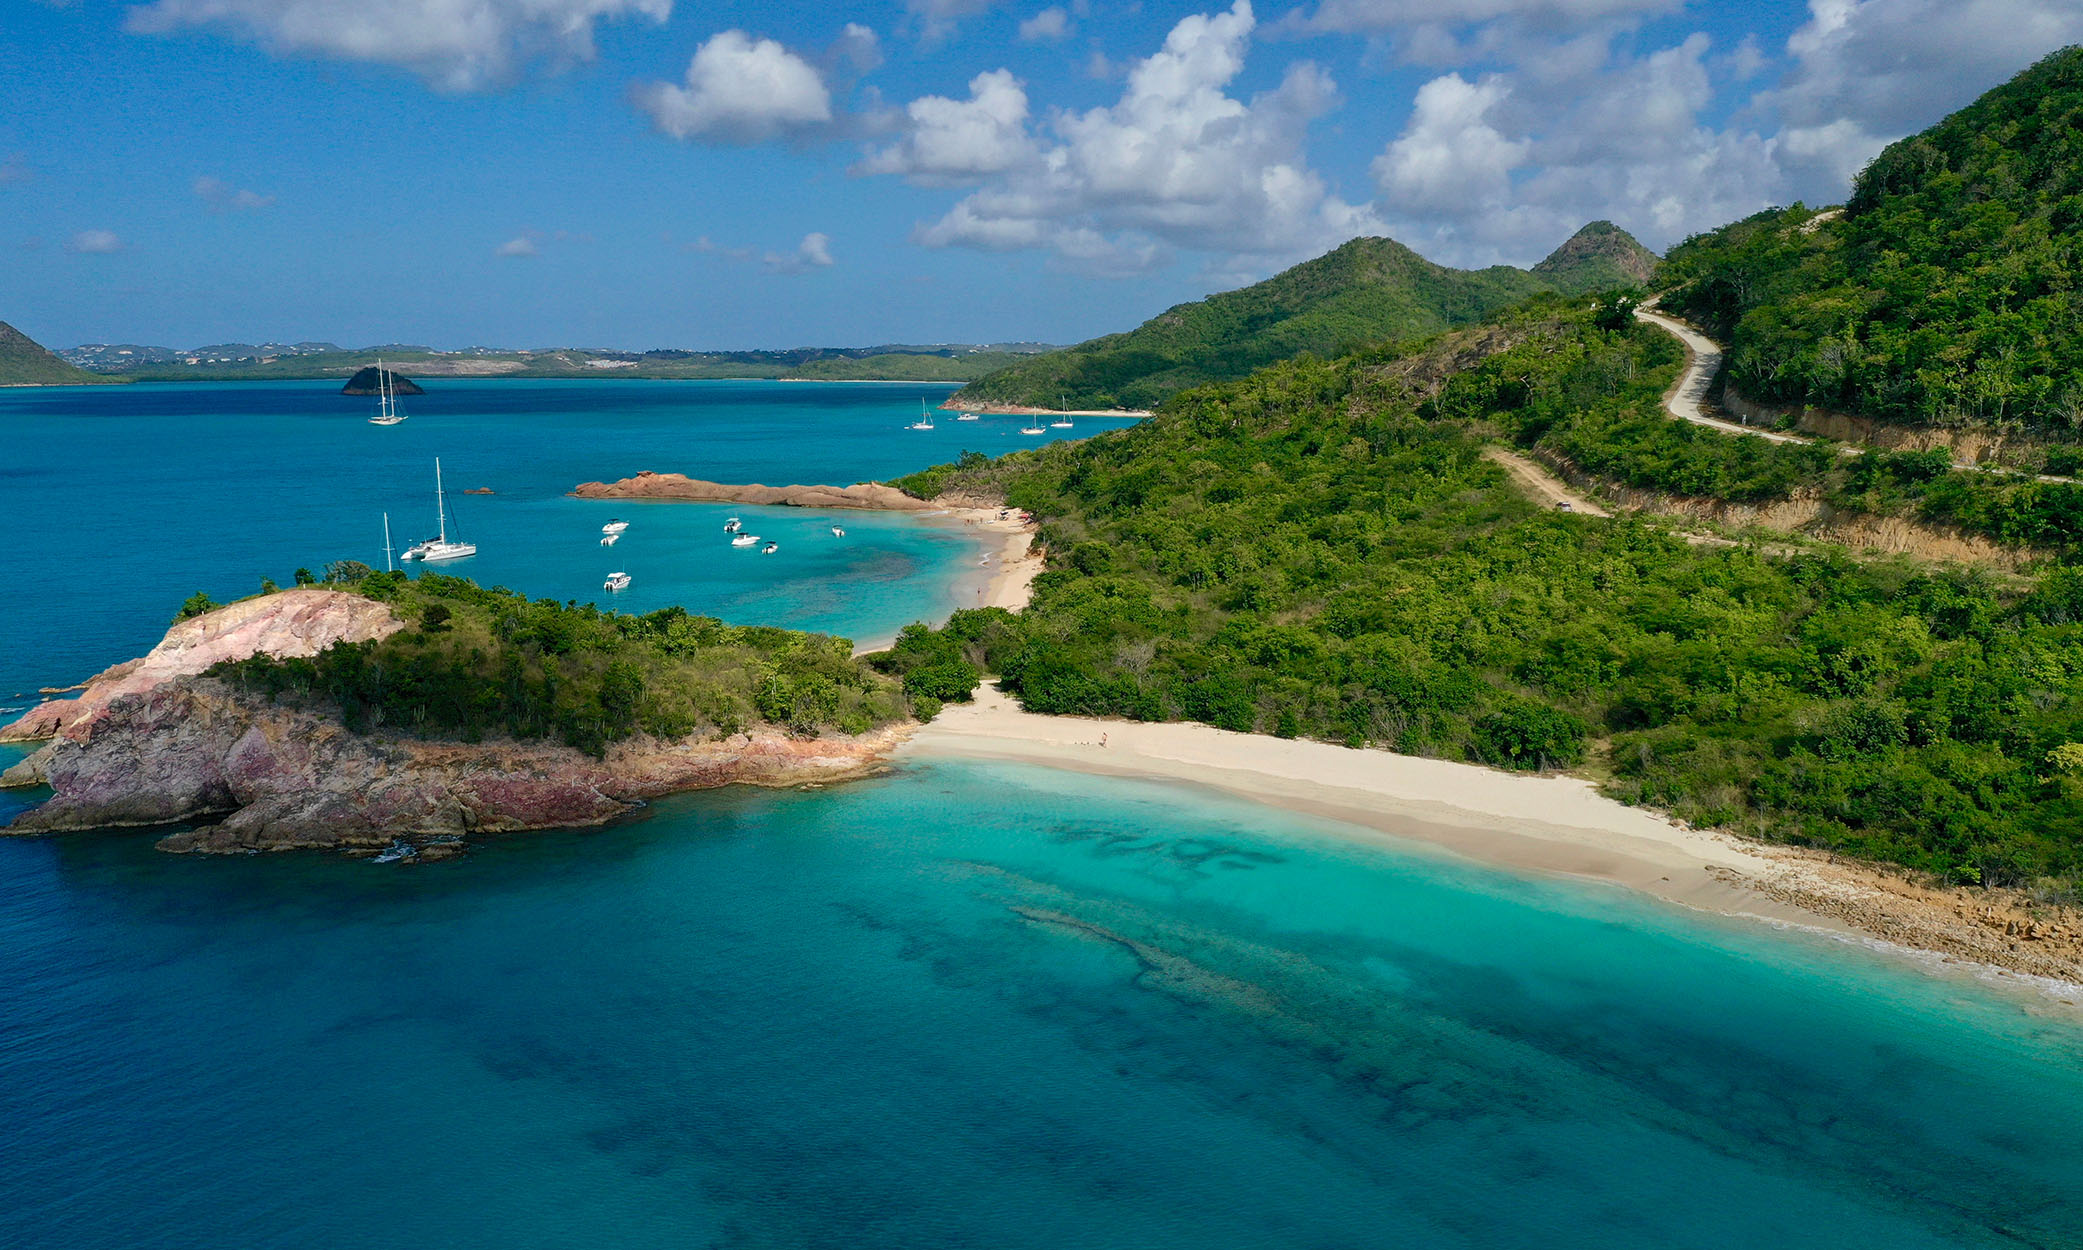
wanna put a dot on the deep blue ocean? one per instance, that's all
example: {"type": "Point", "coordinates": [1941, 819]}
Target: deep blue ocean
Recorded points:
{"type": "Point", "coordinates": [962, 1005]}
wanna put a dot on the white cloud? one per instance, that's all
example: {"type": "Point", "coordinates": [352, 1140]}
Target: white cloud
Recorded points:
{"type": "Point", "coordinates": [1176, 162]}
{"type": "Point", "coordinates": [740, 90]}
{"type": "Point", "coordinates": [814, 252]}
{"type": "Point", "coordinates": [222, 197]}
{"type": "Point", "coordinates": [457, 45]}
{"type": "Point", "coordinates": [960, 140]}
{"type": "Point", "coordinates": [1450, 154]}
{"type": "Point", "coordinates": [1355, 16]}
{"type": "Point", "coordinates": [519, 247]}
{"type": "Point", "coordinates": [1048, 26]}
{"type": "Point", "coordinates": [936, 19]}
{"type": "Point", "coordinates": [95, 243]}
{"type": "Point", "coordinates": [1867, 72]}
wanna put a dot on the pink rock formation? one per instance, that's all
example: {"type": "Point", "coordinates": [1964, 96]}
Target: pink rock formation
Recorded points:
{"type": "Point", "coordinates": [649, 485]}
{"type": "Point", "coordinates": [290, 623]}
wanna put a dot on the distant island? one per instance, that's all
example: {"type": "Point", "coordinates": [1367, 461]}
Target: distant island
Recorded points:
{"type": "Point", "coordinates": [369, 381]}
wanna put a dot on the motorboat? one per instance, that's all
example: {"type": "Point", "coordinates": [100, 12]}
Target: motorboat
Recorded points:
{"type": "Point", "coordinates": [770, 549]}
{"type": "Point", "coordinates": [733, 525]}
{"type": "Point", "coordinates": [744, 540]}
{"type": "Point", "coordinates": [440, 547]}
{"type": "Point", "coordinates": [616, 581]}
{"type": "Point", "coordinates": [968, 416]}
{"type": "Point", "coordinates": [609, 540]}
{"type": "Point", "coordinates": [386, 398]}
{"type": "Point", "coordinates": [838, 531]}
{"type": "Point", "coordinates": [614, 527]}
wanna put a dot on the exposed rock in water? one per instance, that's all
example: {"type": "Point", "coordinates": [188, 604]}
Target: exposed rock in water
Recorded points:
{"type": "Point", "coordinates": [365, 382]}
{"type": "Point", "coordinates": [288, 624]}
{"type": "Point", "coordinates": [650, 485]}
{"type": "Point", "coordinates": [153, 742]}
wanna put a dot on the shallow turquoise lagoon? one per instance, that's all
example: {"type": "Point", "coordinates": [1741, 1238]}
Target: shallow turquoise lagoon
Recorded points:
{"type": "Point", "coordinates": [133, 498]}
{"type": "Point", "coordinates": [982, 1005]}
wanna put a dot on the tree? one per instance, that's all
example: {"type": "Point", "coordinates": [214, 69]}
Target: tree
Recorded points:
{"type": "Point", "coordinates": [195, 605]}
{"type": "Point", "coordinates": [434, 618]}
{"type": "Point", "coordinates": [305, 577]}
{"type": "Point", "coordinates": [347, 571]}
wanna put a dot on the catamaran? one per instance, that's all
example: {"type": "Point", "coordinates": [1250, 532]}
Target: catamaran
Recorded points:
{"type": "Point", "coordinates": [440, 548]}
{"type": "Point", "coordinates": [925, 421]}
{"type": "Point", "coordinates": [386, 398]}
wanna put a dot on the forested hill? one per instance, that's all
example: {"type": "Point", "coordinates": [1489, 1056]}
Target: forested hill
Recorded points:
{"type": "Point", "coordinates": [24, 362]}
{"type": "Point", "coordinates": [1367, 291]}
{"type": "Point", "coordinates": [1599, 257]}
{"type": "Point", "coordinates": [1946, 292]}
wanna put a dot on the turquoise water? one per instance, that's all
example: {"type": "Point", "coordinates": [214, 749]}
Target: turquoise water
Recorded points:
{"type": "Point", "coordinates": [974, 1005]}
{"type": "Point", "coordinates": [961, 1005]}
{"type": "Point", "coordinates": [133, 498]}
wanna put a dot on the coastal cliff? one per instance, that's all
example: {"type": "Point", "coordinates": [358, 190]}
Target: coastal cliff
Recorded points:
{"type": "Point", "coordinates": [649, 485]}
{"type": "Point", "coordinates": [164, 740]}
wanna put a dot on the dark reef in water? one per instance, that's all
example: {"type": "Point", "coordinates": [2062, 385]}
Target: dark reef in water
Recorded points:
{"type": "Point", "coordinates": [364, 382]}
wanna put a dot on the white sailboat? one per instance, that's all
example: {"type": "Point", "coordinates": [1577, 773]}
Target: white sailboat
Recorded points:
{"type": "Point", "coordinates": [1062, 422]}
{"type": "Point", "coordinates": [386, 398]}
{"type": "Point", "coordinates": [925, 421]}
{"type": "Point", "coordinates": [440, 548]}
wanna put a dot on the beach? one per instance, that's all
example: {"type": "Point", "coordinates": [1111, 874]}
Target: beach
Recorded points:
{"type": "Point", "coordinates": [1545, 824]}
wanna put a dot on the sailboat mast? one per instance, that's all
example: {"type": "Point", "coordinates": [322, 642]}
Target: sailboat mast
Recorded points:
{"type": "Point", "coordinates": [388, 567]}
{"type": "Point", "coordinates": [440, 504]}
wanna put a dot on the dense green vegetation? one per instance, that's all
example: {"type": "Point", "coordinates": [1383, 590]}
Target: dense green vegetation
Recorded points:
{"type": "Point", "coordinates": [478, 662]}
{"type": "Point", "coordinates": [1321, 550]}
{"type": "Point", "coordinates": [24, 362]}
{"type": "Point", "coordinates": [1948, 290]}
{"type": "Point", "coordinates": [1365, 292]}
{"type": "Point", "coordinates": [1600, 257]}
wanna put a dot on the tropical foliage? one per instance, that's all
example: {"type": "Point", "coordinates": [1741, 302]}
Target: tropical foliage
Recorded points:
{"type": "Point", "coordinates": [1946, 292]}
{"type": "Point", "coordinates": [481, 662]}
{"type": "Point", "coordinates": [1321, 550]}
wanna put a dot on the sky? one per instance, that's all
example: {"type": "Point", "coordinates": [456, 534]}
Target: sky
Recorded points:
{"type": "Point", "coordinates": [672, 173]}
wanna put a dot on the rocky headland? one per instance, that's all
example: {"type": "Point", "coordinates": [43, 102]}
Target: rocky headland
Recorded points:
{"type": "Point", "coordinates": [649, 485]}
{"type": "Point", "coordinates": [156, 742]}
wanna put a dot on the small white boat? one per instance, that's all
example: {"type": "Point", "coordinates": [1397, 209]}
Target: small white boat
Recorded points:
{"type": "Point", "coordinates": [744, 540]}
{"type": "Point", "coordinates": [967, 416]}
{"type": "Point", "coordinates": [614, 527]}
{"type": "Point", "coordinates": [609, 540]}
{"type": "Point", "coordinates": [838, 532]}
{"type": "Point", "coordinates": [770, 549]}
{"type": "Point", "coordinates": [1063, 424]}
{"type": "Point", "coordinates": [1032, 429]}
{"type": "Point", "coordinates": [386, 398]}
{"type": "Point", "coordinates": [925, 421]}
{"type": "Point", "coordinates": [733, 525]}
{"type": "Point", "coordinates": [616, 581]}
{"type": "Point", "coordinates": [439, 548]}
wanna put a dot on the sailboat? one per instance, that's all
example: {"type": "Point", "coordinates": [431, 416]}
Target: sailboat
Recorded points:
{"type": "Point", "coordinates": [925, 421]}
{"type": "Point", "coordinates": [1062, 422]}
{"type": "Point", "coordinates": [440, 548]}
{"type": "Point", "coordinates": [386, 398]}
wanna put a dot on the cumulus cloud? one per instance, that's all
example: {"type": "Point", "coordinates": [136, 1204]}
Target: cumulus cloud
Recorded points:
{"type": "Point", "coordinates": [222, 197]}
{"type": "Point", "coordinates": [1450, 154]}
{"type": "Point", "coordinates": [456, 45]}
{"type": "Point", "coordinates": [1867, 72]}
{"type": "Point", "coordinates": [95, 243]}
{"type": "Point", "coordinates": [937, 19]}
{"type": "Point", "coordinates": [814, 252]}
{"type": "Point", "coordinates": [951, 141]}
{"type": "Point", "coordinates": [1176, 163]}
{"type": "Point", "coordinates": [740, 90]}
{"type": "Point", "coordinates": [1048, 26]}
{"type": "Point", "coordinates": [520, 247]}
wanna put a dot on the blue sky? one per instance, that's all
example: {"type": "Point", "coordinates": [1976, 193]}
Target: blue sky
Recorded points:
{"type": "Point", "coordinates": [654, 173]}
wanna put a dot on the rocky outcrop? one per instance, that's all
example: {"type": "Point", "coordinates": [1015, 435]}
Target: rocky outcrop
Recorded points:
{"type": "Point", "coordinates": [288, 624]}
{"type": "Point", "coordinates": [366, 381]}
{"type": "Point", "coordinates": [270, 777]}
{"type": "Point", "coordinates": [650, 485]}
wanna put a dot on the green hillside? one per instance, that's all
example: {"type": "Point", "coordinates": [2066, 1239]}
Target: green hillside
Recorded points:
{"type": "Point", "coordinates": [1947, 291]}
{"type": "Point", "coordinates": [24, 362]}
{"type": "Point", "coordinates": [1322, 550]}
{"type": "Point", "coordinates": [1367, 291]}
{"type": "Point", "coordinates": [1600, 257]}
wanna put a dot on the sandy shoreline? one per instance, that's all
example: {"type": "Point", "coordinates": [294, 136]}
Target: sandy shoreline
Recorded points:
{"type": "Point", "coordinates": [1001, 576]}
{"type": "Point", "coordinates": [1545, 825]}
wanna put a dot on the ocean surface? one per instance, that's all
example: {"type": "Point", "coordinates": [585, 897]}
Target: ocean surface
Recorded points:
{"type": "Point", "coordinates": [962, 1005]}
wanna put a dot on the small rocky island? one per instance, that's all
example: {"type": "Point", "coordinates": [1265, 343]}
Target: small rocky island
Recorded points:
{"type": "Point", "coordinates": [369, 380]}
{"type": "Point", "coordinates": [381, 711]}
